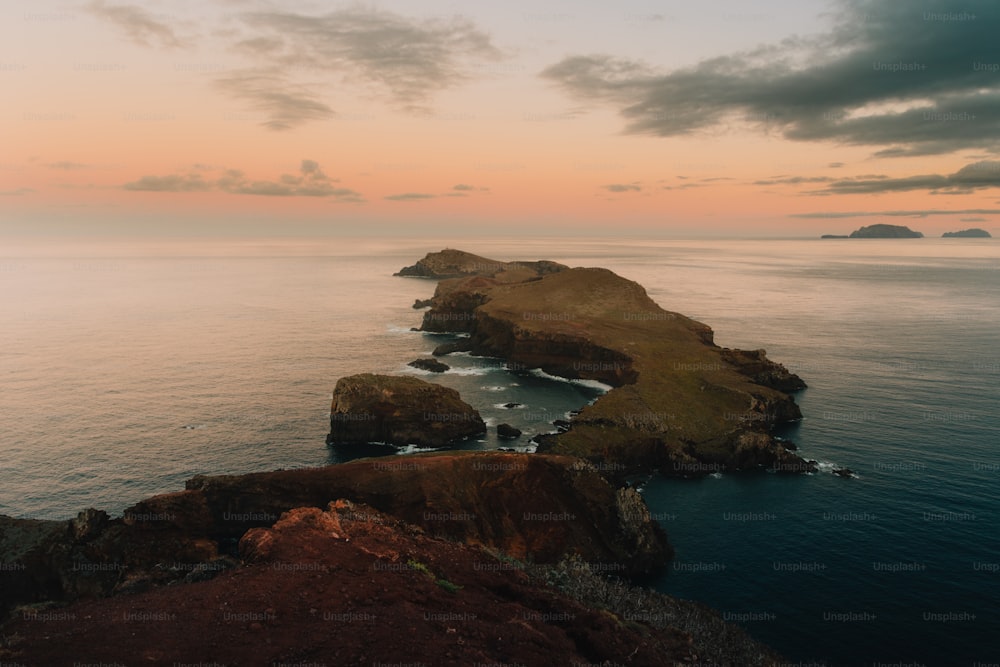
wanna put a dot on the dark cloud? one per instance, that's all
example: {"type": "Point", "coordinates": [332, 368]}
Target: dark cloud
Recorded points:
{"type": "Point", "coordinates": [911, 78]}
{"type": "Point", "coordinates": [463, 187]}
{"type": "Point", "coordinates": [410, 196]}
{"type": "Point", "coordinates": [309, 182]}
{"type": "Point", "coordinates": [286, 105]}
{"type": "Point", "coordinates": [895, 214]}
{"type": "Point", "coordinates": [171, 183]}
{"type": "Point", "coordinates": [139, 25]}
{"type": "Point", "coordinates": [971, 177]}
{"type": "Point", "coordinates": [623, 187]}
{"type": "Point", "coordinates": [407, 59]}
{"type": "Point", "coordinates": [16, 193]}
{"type": "Point", "coordinates": [973, 220]}
{"type": "Point", "coordinates": [835, 165]}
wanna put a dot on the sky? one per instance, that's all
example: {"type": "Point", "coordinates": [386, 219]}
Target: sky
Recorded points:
{"type": "Point", "coordinates": [718, 118]}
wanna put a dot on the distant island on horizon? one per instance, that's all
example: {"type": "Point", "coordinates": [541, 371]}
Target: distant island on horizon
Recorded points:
{"type": "Point", "coordinates": [972, 233]}
{"type": "Point", "coordinates": [885, 231]}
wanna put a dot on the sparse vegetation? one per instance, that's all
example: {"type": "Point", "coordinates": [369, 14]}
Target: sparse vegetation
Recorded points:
{"type": "Point", "coordinates": [419, 567]}
{"type": "Point", "coordinates": [448, 586]}
{"type": "Point", "coordinates": [715, 641]}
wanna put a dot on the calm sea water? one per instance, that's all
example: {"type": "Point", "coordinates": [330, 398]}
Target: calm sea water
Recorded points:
{"type": "Point", "coordinates": [126, 367]}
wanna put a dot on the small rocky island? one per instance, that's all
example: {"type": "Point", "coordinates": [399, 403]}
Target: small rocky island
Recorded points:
{"type": "Point", "coordinates": [399, 411]}
{"type": "Point", "coordinates": [974, 233]}
{"type": "Point", "coordinates": [883, 231]}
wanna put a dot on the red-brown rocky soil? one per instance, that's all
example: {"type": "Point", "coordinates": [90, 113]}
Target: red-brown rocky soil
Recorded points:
{"type": "Point", "coordinates": [345, 586]}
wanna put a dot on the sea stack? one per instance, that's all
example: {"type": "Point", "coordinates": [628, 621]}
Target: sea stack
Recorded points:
{"type": "Point", "coordinates": [399, 411]}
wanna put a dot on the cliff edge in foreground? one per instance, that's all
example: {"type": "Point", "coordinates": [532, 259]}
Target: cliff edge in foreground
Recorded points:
{"type": "Point", "coordinates": [346, 584]}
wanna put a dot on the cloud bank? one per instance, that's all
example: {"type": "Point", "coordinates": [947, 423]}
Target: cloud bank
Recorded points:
{"type": "Point", "coordinates": [907, 78]}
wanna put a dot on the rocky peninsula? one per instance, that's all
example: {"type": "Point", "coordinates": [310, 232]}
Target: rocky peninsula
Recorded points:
{"type": "Point", "coordinates": [473, 557]}
{"type": "Point", "coordinates": [680, 404]}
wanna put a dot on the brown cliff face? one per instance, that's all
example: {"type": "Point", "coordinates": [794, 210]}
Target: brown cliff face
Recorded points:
{"type": "Point", "coordinates": [680, 403]}
{"type": "Point", "coordinates": [533, 507]}
{"type": "Point", "coordinates": [347, 584]}
{"type": "Point", "coordinates": [400, 411]}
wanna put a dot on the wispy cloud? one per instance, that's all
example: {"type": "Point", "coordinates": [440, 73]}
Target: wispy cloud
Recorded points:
{"type": "Point", "coordinates": [139, 25]}
{"type": "Point", "coordinates": [793, 180]}
{"type": "Point", "coordinates": [623, 187]}
{"type": "Point", "coordinates": [889, 75]}
{"type": "Point", "coordinates": [170, 183]}
{"type": "Point", "coordinates": [918, 213]}
{"type": "Point", "coordinates": [66, 165]}
{"type": "Point", "coordinates": [286, 105]}
{"type": "Point", "coordinates": [310, 181]}
{"type": "Point", "coordinates": [410, 196]}
{"type": "Point", "coordinates": [408, 60]}
{"type": "Point", "coordinates": [16, 192]}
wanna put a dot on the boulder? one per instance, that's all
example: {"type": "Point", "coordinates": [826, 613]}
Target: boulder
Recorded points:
{"type": "Point", "coordinates": [508, 432]}
{"type": "Point", "coordinates": [432, 365]}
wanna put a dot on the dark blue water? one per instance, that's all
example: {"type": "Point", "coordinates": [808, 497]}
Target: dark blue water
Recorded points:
{"type": "Point", "coordinates": [901, 564]}
{"type": "Point", "coordinates": [127, 368]}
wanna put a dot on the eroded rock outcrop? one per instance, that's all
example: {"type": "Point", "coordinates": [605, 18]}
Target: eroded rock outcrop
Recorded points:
{"type": "Point", "coordinates": [530, 506]}
{"type": "Point", "coordinates": [679, 402]}
{"type": "Point", "coordinates": [399, 411]}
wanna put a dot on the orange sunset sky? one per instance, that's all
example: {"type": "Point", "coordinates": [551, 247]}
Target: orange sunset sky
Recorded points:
{"type": "Point", "coordinates": [717, 118]}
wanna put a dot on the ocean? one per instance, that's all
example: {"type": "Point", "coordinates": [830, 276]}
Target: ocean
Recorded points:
{"type": "Point", "coordinates": [129, 365]}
